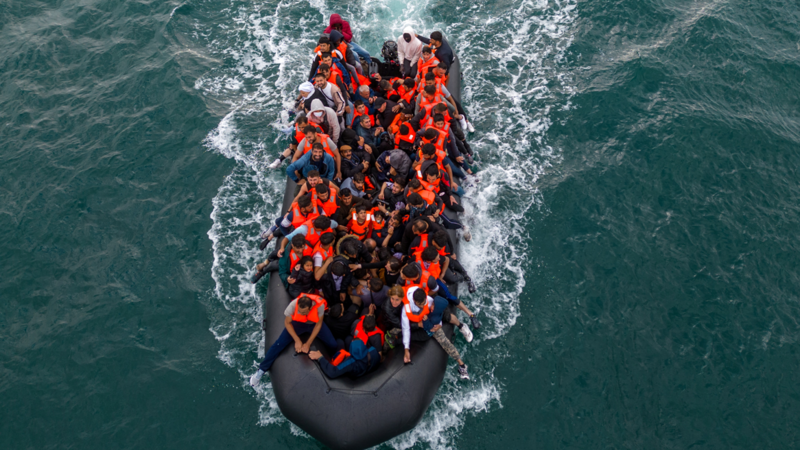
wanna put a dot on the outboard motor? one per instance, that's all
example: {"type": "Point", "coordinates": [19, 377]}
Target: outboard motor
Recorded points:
{"type": "Point", "coordinates": [390, 66]}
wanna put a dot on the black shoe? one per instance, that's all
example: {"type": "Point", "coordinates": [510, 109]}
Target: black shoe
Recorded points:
{"type": "Point", "coordinates": [475, 322]}
{"type": "Point", "coordinates": [471, 286]}
{"type": "Point", "coordinates": [257, 276]}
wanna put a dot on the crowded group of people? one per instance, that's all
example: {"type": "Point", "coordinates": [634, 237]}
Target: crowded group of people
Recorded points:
{"type": "Point", "coordinates": [378, 153]}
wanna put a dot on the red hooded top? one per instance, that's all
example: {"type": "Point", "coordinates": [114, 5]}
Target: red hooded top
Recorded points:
{"type": "Point", "coordinates": [337, 20]}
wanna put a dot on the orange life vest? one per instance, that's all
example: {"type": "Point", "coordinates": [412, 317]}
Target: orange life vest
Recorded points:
{"type": "Point", "coordinates": [313, 315]}
{"type": "Point", "coordinates": [298, 218]}
{"type": "Point", "coordinates": [360, 230]}
{"type": "Point", "coordinates": [423, 244]}
{"type": "Point", "coordinates": [294, 259]}
{"type": "Point", "coordinates": [341, 355]}
{"type": "Point", "coordinates": [425, 66]}
{"type": "Point", "coordinates": [437, 142]}
{"type": "Point", "coordinates": [298, 133]}
{"type": "Point", "coordinates": [410, 137]}
{"type": "Point", "coordinates": [398, 120]}
{"type": "Point", "coordinates": [437, 98]}
{"type": "Point", "coordinates": [415, 317]}
{"type": "Point", "coordinates": [364, 335]}
{"type": "Point", "coordinates": [321, 250]}
{"type": "Point", "coordinates": [423, 282]}
{"type": "Point", "coordinates": [335, 52]}
{"type": "Point", "coordinates": [423, 180]}
{"type": "Point", "coordinates": [329, 206]}
{"type": "Point", "coordinates": [322, 139]}
{"type": "Point", "coordinates": [429, 113]}
{"type": "Point", "coordinates": [312, 235]}
{"type": "Point", "coordinates": [435, 269]}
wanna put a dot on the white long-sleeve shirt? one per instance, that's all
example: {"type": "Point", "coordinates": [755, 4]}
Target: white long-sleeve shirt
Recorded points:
{"type": "Point", "coordinates": [405, 324]}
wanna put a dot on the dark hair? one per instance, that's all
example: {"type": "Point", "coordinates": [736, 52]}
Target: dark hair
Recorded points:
{"type": "Point", "coordinates": [379, 213]}
{"type": "Point", "coordinates": [430, 90]}
{"type": "Point", "coordinates": [310, 129]}
{"type": "Point", "coordinates": [440, 107]}
{"type": "Point", "coordinates": [327, 238]}
{"type": "Point", "coordinates": [384, 254]}
{"type": "Point", "coordinates": [442, 66]}
{"type": "Point", "coordinates": [313, 173]}
{"type": "Point", "coordinates": [304, 201]}
{"type": "Point", "coordinates": [325, 55]}
{"type": "Point", "coordinates": [360, 208]}
{"type": "Point", "coordinates": [404, 129]}
{"type": "Point", "coordinates": [419, 296]}
{"type": "Point", "coordinates": [345, 192]}
{"type": "Point", "coordinates": [415, 199]}
{"type": "Point", "coordinates": [338, 268]}
{"type": "Point", "coordinates": [397, 83]}
{"type": "Point", "coordinates": [358, 103]}
{"type": "Point", "coordinates": [358, 176]}
{"type": "Point", "coordinates": [429, 254]}
{"type": "Point", "coordinates": [440, 238]}
{"type": "Point", "coordinates": [432, 170]}
{"type": "Point", "coordinates": [317, 146]}
{"type": "Point", "coordinates": [375, 284]}
{"type": "Point", "coordinates": [305, 259]}
{"type": "Point", "coordinates": [419, 225]}
{"type": "Point", "coordinates": [298, 240]}
{"type": "Point", "coordinates": [414, 184]}
{"type": "Point", "coordinates": [301, 120]}
{"type": "Point", "coordinates": [304, 302]}
{"type": "Point", "coordinates": [438, 117]}
{"type": "Point", "coordinates": [324, 40]}
{"type": "Point", "coordinates": [385, 85]}
{"type": "Point", "coordinates": [394, 264]}
{"type": "Point", "coordinates": [430, 76]}
{"type": "Point", "coordinates": [409, 111]}
{"type": "Point", "coordinates": [319, 74]}
{"type": "Point", "coordinates": [437, 36]}
{"type": "Point", "coordinates": [400, 181]}
{"type": "Point", "coordinates": [430, 133]}
{"type": "Point", "coordinates": [360, 274]}
{"type": "Point", "coordinates": [321, 188]}
{"type": "Point", "coordinates": [322, 222]}
{"type": "Point", "coordinates": [410, 271]}
{"type": "Point", "coordinates": [336, 310]}
{"type": "Point", "coordinates": [426, 49]}
{"type": "Point", "coordinates": [428, 149]}
{"type": "Point", "coordinates": [369, 323]}
{"type": "Point", "coordinates": [409, 82]}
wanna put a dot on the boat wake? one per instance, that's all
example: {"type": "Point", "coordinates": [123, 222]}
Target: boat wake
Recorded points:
{"type": "Point", "coordinates": [514, 78]}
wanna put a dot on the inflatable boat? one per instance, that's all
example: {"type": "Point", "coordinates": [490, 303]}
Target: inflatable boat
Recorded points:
{"type": "Point", "coordinates": [347, 413]}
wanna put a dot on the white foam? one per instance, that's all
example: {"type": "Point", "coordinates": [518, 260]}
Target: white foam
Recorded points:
{"type": "Point", "coordinates": [510, 100]}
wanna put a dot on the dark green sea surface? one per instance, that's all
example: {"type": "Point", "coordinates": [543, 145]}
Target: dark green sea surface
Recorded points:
{"type": "Point", "coordinates": [635, 225]}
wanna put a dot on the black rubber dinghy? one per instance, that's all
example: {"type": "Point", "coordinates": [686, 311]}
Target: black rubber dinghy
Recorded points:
{"type": "Point", "coordinates": [348, 413]}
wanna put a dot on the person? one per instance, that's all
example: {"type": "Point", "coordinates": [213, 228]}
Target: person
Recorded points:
{"type": "Point", "coordinates": [356, 185]}
{"type": "Point", "coordinates": [312, 136]}
{"type": "Point", "coordinates": [301, 210]}
{"type": "Point", "coordinates": [326, 118]}
{"type": "Point", "coordinates": [313, 179]}
{"type": "Point", "coordinates": [409, 50]}
{"type": "Point", "coordinates": [367, 96]}
{"type": "Point", "coordinates": [440, 241]}
{"type": "Point", "coordinates": [336, 280]}
{"type": "Point", "coordinates": [340, 319]}
{"type": "Point", "coordinates": [301, 280]}
{"type": "Point", "coordinates": [300, 124]}
{"type": "Point", "coordinates": [374, 293]}
{"type": "Point", "coordinates": [389, 316]}
{"type": "Point", "coordinates": [311, 232]}
{"type": "Point", "coordinates": [422, 319]}
{"type": "Point", "coordinates": [342, 26]}
{"type": "Point", "coordinates": [317, 160]}
{"type": "Point", "coordinates": [352, 64]}
{"type": "Point", "coordinates": [365, 129]}
{"type": "Point", "coordinates": [441, 49]}
{"type": "Point", "coordinates": [360, 223]}
{"type": "Point", "coordinates": [427, 61]}
{"type": "Point", "coordinates": [332, 93]}
{"type": "Point", "coordinates": [362, 358]}
{"type": "Point", "coordinates": [322, 252]}
{"type": "Point", "coordinates": [385, 111]}
{"type": "Point", "coordinates": [428, 259]}
{"type": "Point", "coordinates": [393, 164]}
{"type": "Point", "coordinates": [303, 315]}
{"type": "Point", "coordinates": [352, 163]}
{"type": "Point", "coordinates": [304, 93]}
{"type": "Point", "coordinates": [392, 274]}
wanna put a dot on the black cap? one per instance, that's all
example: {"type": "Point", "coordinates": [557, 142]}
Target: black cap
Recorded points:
{"type": "Point", "coordinates": [378, 102]}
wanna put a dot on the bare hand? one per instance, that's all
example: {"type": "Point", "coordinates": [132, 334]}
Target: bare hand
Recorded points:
{"type": "Point", "coordinates": [280, 252]}
{"type": "Point", "coordinates": [371, 310]}
{"type": "Point", "coordinates": [460, 159]}
{"type": "Point", "coordinates": [396, 108]}
{"type": "Point", "coordinates": [407, 357]}
{"type": "Point", "coordinates": [367, 148]}
{"type": "Point", "coordinates": [355, 266]}
{"type": "Point", "coordinates": [453, 200]}
{"type": "Point", "coordinates": [338, 176]}
{"type": "Point", "coordinates": [315, 355]}
{"type": "Point", "coordinates": [298, 346]}
{"type": "Point", "coordinates": [291, 280]}
{"type": "Point", "coordinates": [347, 109]}
{"type": "Point", "coordinates": [435, 328]}
{"type": "Point", "coordinates": [305, 348]}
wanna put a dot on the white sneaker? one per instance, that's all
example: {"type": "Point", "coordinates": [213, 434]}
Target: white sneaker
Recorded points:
{"type": "Point", "coordinates": [464, 331]}
{"type": "Point", "coordinates": [463, 122]}
{"type": "Point", "coordinates": [256, 378]}
{"type": "Point", "coordinates": [462, 372]}
{"type": "Point", "coordinates": [275, 164]}
{"type": "Point", "coordinates": [470, 127]}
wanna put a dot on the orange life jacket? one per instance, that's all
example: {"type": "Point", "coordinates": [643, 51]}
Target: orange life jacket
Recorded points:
{"type": "Point", "coordinates": [410, 137]}
{"type": "Point", "coordinates": [435, 269]}
{"type": "Point", "coordinates": [298, 133]}
{"type": "Point", "coordinates": [429, 113]}
{"type": "Point", "coordinates": [423, 180]}
{"type": "Point", "coordinates": [313, 314]}
{"type": "Point", "coordinates": [322, 139]}
{"type": "Point", "coordinates": [398, 120]}
{"type": "Point", "coordinates": [321, 250]}
{"type": "Point", "coordinates": [437, 142]}
{"type": "Point", "coordinates": [438, 87]}
{"type": "Point", "coordinates": [437, 98]}
{"type": "Point", "coordinates": [329, 206]}
{"type": "Point", "coordinates": [364, 335]}
{"type": "Point", "coordinates": [335, 52]}
{"type": "Point", "coordinates": [294, 259]}
{"type": "Point", "coordinates": [298, 218]}
{"type": "Point", "coordinates": [312, 235]}
{"type": "Point", "coordinates": [415, 317]}
{"type": "Point", "coordinates": [358, 114]}
{"type": "Point", "coordinates": [360, 229]}
{"type": "Point", "coordinates": [423, 244]}
{"type": "Point", "coordinates": [341, 355]}
{"type": "Point", "coordinates": [424, 66]}
{"type": "Point", "coordinates": [362, 80]}
{"type": "Point", "coordinates": [430, 124]}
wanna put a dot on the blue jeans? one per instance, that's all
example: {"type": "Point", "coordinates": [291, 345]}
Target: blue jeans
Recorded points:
{"type": "Point", "coordinates": [360, 52]}
{"type": "Point", "coordinates": [285, 340]}
{"type": "Point", "coordinates": [457, 172]}
{"type": "Point", "coordinates": [446, 294]}
{"type": "Point", "coordinates": [348, 117]}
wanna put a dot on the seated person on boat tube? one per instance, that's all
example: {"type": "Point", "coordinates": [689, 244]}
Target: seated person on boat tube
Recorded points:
{"type": "Point", "coordinates": [364, 355]}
